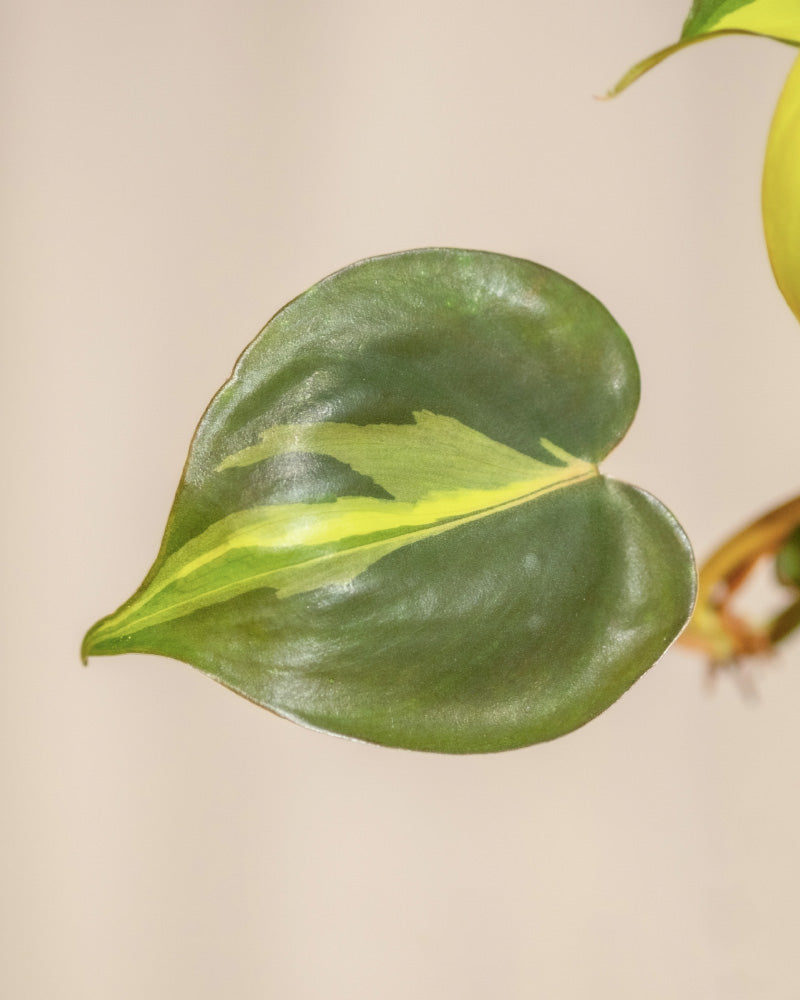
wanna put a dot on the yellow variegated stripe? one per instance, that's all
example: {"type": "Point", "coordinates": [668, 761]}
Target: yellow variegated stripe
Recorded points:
{"type": "Point", "coordinates": [780, 192]}
{"type": "Point", "coordinates": [443, 475]}
{"type": "Point", "coordinates": [778, 19]}
{"type": "Point", "coordinates": [435, 453]}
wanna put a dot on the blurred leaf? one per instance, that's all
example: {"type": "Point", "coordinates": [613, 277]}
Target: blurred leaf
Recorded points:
{"type": "Point", "coordinates": [780, 193]}
{"type": "Point", "coordinates": [391, 525]}
{"type": "Point", "coordinates": [788, 561]}
{"type": "Point", "coordinates": [778, 19]}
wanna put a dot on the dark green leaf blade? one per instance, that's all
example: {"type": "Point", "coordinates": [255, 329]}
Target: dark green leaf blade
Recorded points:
{"type": "Point", "coordinates": [391, 525]}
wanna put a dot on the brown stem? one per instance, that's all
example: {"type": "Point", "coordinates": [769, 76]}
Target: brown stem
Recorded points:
{"type": "Point", "coordinates": [715, 629]}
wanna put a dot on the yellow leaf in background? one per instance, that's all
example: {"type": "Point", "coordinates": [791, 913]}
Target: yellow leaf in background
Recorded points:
{"type": "Point", "coordinates": [780, 195]}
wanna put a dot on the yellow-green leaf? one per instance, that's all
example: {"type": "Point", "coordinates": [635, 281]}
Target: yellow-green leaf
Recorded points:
{"type": "Point", "coordinates": [777, 19]}
{"type": "Point", "coordinates": [780, 192]}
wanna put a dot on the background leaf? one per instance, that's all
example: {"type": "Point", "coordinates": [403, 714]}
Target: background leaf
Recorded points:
{"type": "Point", "coordinates": [778, 19]}
{"type": "Point", "coordinates": [514, 627]}
{"type": "Point", "coordinates": [780, 192]}
{"type": "Point", "coordinates": [787, 564]}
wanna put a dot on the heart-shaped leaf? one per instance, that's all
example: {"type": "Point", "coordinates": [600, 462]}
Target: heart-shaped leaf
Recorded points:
{"type": "Point", "coordinates": [391, 524]}
{"type": "Point", "coordinates": [780, 192]}
{"type": "Point", "coordinates": [778, 19]}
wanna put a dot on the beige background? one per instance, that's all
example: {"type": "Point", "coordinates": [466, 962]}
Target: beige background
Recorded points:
{"type": "Point", "coordinates": [172, 174]}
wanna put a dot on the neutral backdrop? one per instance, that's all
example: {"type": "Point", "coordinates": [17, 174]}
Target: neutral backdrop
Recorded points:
{"type": "Point", "coordinates": [172, 173]}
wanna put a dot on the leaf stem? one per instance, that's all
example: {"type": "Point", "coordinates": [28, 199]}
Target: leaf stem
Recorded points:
{"type": "Point", "coordinates": [715, 629]}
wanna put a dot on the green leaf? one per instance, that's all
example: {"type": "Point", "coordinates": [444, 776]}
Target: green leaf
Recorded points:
{"type": "Point", "coordinates": [780, 191]}
{"type": "Point", "coordinates": [787, 564]}
{"type": "Point", "coordinates": [777, 19]}
{"type": "Point", "coordinates": [391, 524]}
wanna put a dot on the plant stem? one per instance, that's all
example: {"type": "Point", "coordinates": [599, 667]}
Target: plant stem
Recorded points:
{"type": "Point", "coordinates": [715, 629]}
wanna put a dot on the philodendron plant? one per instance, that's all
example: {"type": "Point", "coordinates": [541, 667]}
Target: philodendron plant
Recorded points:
{"type": "Point", "coordinates": [391, 524]}
{"type": "Point", "coordinates": [722, 634]}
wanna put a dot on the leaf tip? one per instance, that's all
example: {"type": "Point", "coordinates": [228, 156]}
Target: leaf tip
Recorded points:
{"type": "Point", "coordinates": [645, 65]}
{"type": "Point", "coordinates": [88, 646]}
{"type": "Point", "coordinates": [85, 651]}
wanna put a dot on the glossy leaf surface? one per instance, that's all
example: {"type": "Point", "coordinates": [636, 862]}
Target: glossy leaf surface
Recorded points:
{"type": "Point", "coordinates": [778, 19]}
{"type": "Point", "coordinates": [780, 193]}
{"type": "Point", "coordinates": [391, 524]}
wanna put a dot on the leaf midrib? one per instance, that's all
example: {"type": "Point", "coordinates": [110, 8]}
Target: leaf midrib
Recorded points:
{"type": "Point", "coordinates": [247, 584]}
